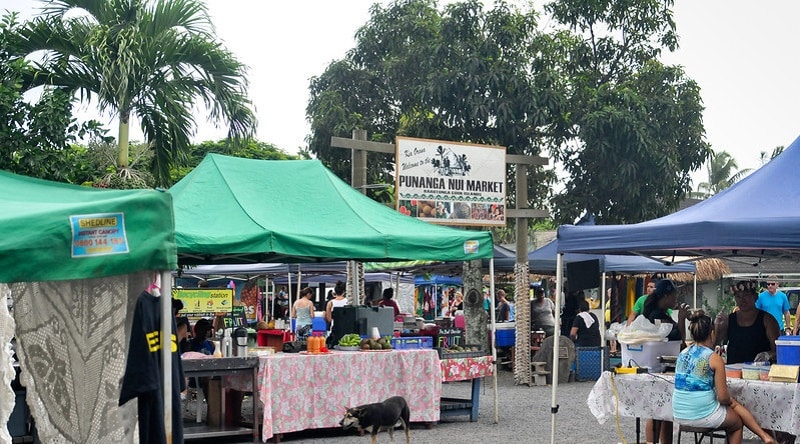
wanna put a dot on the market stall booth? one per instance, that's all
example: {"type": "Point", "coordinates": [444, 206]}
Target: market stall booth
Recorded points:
{"type": "Point", "coordinates": [76, 259]}
{"type": "Point", "coordinates": [231, 210]}
{"type": "Point", "coordinates": [753, 221]}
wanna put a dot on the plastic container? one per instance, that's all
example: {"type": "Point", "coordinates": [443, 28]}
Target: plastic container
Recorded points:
{"type": "Point", "coordinates": [788, 348]}
{"type": "Point", "coordinates": [312, 346]}
{"type": "Point", "coordinates": [733, 371]}
{"type": "Point", "coordinates": [751, 372]}
{"type": "Point", "coordinates": [506, 338]}
{"type": "Point", "coordinates": [646, 354]}
{"type": "Point", "coordinates": [763, 372]}
{"type": "Point", "coordinates": [412, 342]}
{"type": "Point", "coordinates": [319, 324]}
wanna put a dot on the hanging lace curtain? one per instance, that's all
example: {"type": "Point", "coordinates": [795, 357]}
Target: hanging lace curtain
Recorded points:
{"type": "Point", "coordinates": [6, 364]}
{"type": "Point", "coordinates": [72, 341]}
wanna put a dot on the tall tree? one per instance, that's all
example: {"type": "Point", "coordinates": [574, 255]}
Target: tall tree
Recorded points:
{"type": "Point", "coordinates": [149, 58]}
{"type": "Point", "coordinates": [722, 173]}
{"type": "Point", "coordinates": [463, 73]}
{"type": "Point", "coordinates": [35, 138]}
{"type": "Point", "coordinates": [636, 129]}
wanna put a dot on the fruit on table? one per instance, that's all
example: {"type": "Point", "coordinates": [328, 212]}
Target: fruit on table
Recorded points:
{"type": "Point", "coordinates": [350, 340]}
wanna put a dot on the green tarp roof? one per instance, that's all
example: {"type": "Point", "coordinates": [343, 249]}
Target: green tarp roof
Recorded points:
{"type": "Point", "coordinates": [55, 231]}
{"type": "Point", "coordinates": [234, 210]}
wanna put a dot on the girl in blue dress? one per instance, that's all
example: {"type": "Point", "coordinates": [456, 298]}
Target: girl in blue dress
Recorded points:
{"type": "Point", "coordinates": [700, 397]}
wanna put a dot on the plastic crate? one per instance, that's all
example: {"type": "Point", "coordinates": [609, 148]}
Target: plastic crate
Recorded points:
{"type": "Point", "coordinates": [412, 342]}
{"type": "Point", "coordinates": [646, 354]}
{"type": "Point", "coordinates": [587, 363]}
{"type": "Point", "coordinates": [464, 354]}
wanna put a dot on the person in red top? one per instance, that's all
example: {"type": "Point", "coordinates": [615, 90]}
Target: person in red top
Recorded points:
{"type": "Point", "coordinates": [387, 301]}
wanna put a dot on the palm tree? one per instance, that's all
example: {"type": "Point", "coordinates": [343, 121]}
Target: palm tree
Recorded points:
{"type": "Point", "coordinates": [149, 58]}
{"type": "Point", "coordinates": [775, 153]}
{"type": "Point", "coordinates": [721, 174]}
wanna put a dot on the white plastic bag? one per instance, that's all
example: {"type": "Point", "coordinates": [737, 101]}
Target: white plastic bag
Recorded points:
{"type": "Point", "coordinates": [642, 330]}
{"type": "Point", "coordinates": [613, 330]}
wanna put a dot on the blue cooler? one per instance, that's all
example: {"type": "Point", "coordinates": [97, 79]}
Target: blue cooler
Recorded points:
{"type": "Point", "coordinates": [318, 324]}
{"type": "Point", "coordinates": [788, 348]}
{"type": "Point", "coordinates": [505, 335]}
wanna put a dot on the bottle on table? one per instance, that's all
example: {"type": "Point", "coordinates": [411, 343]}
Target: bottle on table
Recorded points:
{"type": "Point", "coordinates": [312, 344]}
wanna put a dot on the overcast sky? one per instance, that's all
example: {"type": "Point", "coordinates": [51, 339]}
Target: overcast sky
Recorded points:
{"type": "Point", "coordinates": [744, 55]}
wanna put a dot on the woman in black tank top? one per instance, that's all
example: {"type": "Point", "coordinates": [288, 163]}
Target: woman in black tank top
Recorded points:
{"type": "Point", "coordinates": [750, 331]}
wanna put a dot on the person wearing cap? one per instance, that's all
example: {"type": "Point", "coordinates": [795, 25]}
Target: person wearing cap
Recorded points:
{"type": "Point", "coordinates": [776, 303]}
{"type": "Point", "coordinates": [543, 313]}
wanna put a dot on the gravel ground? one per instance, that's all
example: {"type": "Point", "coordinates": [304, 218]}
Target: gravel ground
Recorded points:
{"type": "Point", "coordinates": [524, 417]}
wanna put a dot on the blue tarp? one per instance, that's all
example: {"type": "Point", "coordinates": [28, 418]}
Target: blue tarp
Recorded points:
{"type": "Point", "coordinates": [757, 216]}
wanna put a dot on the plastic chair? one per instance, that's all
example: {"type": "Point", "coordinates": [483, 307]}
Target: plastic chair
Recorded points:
{"type": "Point", "coordinates": [701, 433]}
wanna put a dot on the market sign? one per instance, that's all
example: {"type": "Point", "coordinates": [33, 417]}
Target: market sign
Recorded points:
{"type": "Point", "coordinates": [204, 301]}
{"type": "Point", "coordinates": [451, 183]}
{"type": "Point", "coordinates": [236, 318]}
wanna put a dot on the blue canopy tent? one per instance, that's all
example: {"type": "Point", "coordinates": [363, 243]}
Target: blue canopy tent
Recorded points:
{"type": "Point", "coordinates": [543, 260]}
{"type": "Point", "coordinates": [756, 219]}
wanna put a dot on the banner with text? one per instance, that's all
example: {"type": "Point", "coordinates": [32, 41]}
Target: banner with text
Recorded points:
{"type": "Point", "coordinates": [204, 301]}
{"type": "Point", "coordinates": [451, 183]}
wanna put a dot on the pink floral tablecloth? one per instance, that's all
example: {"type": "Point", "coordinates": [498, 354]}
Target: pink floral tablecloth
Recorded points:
{"type": "Point", "coordinates": [775, 405]}
{"type": "Point", "coordinates": [466, 368]}
{"type": "Point", "coordinates": [301, 392]}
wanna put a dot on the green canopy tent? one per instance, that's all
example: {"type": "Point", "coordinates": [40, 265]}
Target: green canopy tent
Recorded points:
{"type": "Point", "coordinates": [76, 258]}
{"type": "Point", "coordinates": [233, 210]}
{"type": "Point", "coordinates": [55, 231]}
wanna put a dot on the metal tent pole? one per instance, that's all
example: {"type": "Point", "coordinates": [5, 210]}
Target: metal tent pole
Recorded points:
{"type": "Point", "coordinates": [166, 349]}
{"type": "Point", "coordinates": [494, 345]}
{"type": "Point", "coordinates": [603, 322]}
{"type": "Point", "coordinates": [553, 405]}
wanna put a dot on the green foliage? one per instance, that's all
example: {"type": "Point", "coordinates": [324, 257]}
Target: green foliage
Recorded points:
{"type": "Point", "coordinates": [463, 74]}
{"type": "Point", "coordinates": [36, 138]}
{"type": "Point", "coordinates": [250, 149]}
{"type": "Point", "coordinates": [152, 58]}
{"type": "Point", "coordinates": [636, 124]}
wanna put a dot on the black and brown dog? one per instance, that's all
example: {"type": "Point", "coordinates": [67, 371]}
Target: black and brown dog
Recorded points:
{"type": "Point", "coordinates": [380, 415]}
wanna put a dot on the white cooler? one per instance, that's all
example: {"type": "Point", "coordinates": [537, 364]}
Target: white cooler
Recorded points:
{"type": "Point", "coordinates": [646, 354]}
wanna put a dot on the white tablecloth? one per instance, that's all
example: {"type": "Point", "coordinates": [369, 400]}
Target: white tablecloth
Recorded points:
{"type": "Point", "coordinates": [775, 405]}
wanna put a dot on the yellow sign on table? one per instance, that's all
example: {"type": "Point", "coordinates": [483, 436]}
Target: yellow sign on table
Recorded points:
{"type": "Point", "coordinates": [204, 300]}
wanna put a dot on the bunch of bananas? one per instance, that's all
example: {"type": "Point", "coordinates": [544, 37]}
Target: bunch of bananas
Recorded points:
{"type": "Point", "coordinates": [351, 340]}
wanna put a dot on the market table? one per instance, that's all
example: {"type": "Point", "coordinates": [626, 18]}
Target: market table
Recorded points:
{"type": "Point", "coordinates": [775, 405]}
{"type": "Point", "coordinates": [464, 369]}
{"type": "Point", "coordinates": [239, 368]}
{"type": "Point", "coordinates": [302, 391]}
